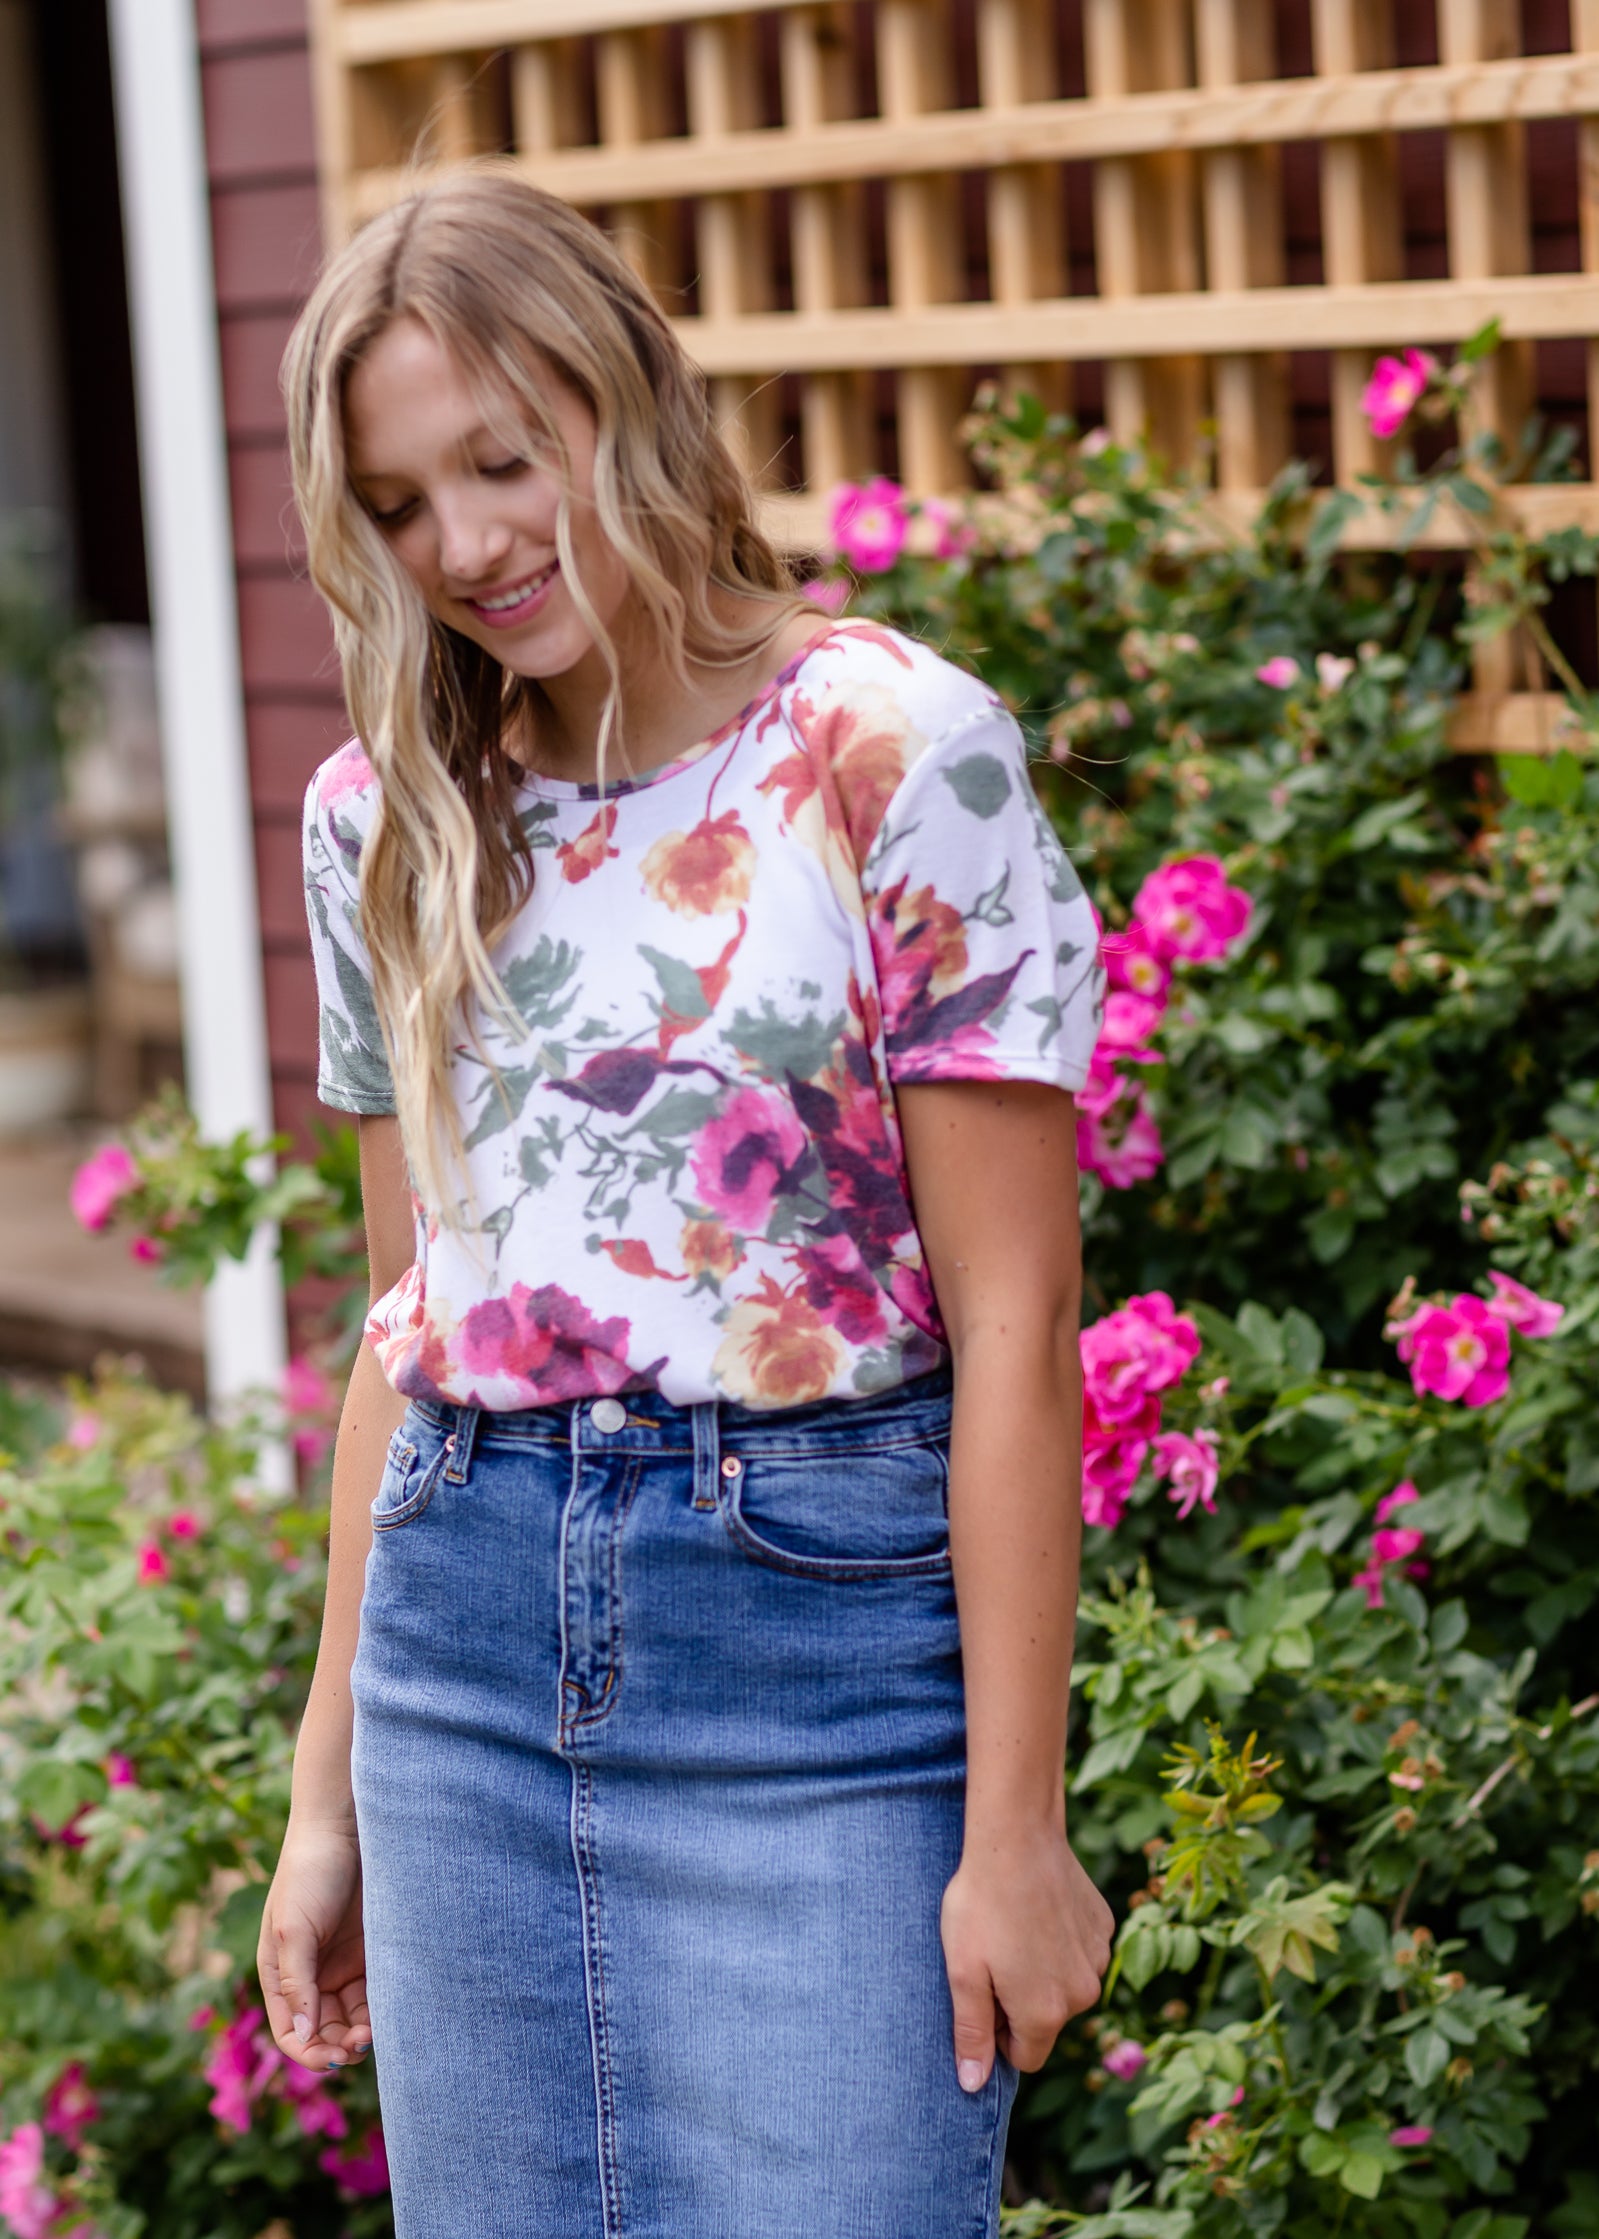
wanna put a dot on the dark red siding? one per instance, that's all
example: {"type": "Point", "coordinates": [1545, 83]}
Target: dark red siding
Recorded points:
{"type": "Point", "coordinates": [261, 158]}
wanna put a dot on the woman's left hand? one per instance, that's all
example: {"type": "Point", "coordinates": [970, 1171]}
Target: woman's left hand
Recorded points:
{"type": "Point", "coordinates": [1026, 1944]}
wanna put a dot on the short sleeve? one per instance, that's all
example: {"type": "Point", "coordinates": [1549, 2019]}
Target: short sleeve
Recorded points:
{"type": "Point", "coordinates": [353, 1068]}
{"type": "Point", "coordinates": [986, 946]}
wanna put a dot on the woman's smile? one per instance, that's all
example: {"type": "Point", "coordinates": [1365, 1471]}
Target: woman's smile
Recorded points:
{"type": "Point", "coordinates": [516, 603]}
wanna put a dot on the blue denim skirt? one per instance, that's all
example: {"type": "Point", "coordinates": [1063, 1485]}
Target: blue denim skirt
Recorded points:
{"type": "Point", "coordinates": [659, 1760]}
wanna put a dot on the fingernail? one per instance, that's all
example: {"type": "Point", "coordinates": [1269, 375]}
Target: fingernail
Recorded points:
{"type": "Point", "coordinates": [334, 2061]}
{"type": "Point", "coordinates": [971, 2075]}
{"type": "Point", "coordinates": [302, 2027]}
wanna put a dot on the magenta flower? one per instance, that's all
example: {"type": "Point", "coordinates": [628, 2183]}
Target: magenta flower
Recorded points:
{"type": "Point", "coordinates": [1410, 2134]}
{"type": "Point", "coordinates": [306, 1392]}
{"type": "Point", "coordinates": [100, 1182]}
{"type": "Point", "coordinates": [362, 2175]}
{"type": "Point", "coordinates": [154, 1569]}
{"type": "Point", "coordinates": [951, 535]}
{"type": "Point", "coordinates": [1401, 1497]}
{"type": "Point", "coordinates": [828, 592]}
{"type": "Point", "coordinates": [868, 524]}
{"type": "Point", "coordinates": [1396, 387]}
{"type": "Point", "coordinates": [83, 1431]}
{"type": "Point", "coordinates": [242, 2063]}
{"type": "Point", "coordinates": [1126, 1151]}
{"type": "Point", "coordinates": [741, 1158]}
{"type": "Point", "coordinates": [1279, 672]}
{"type": "Point", "coordinates": [146, 1251]}
{"type": "Point", "coordinates": [1110, 1471]}
{"type": "Point", "coordinates": [1132, 963]}
{"type": "Point", "coordinates": [1523, 1309]}
{"type": "Point", "coordinates": [1129, 1022]}
{"type": "Point", "coordinates": [183, 1524]}
{"type": "Point", "coordinates": [1188, 909]}
{"type": "Point", "coordinates": [318, 2114]}
{"type": "Point", "coordinates": [1459, 1351]}
{"type": "Point", "coordinates": [71, 2106]}
{"type": "Point", "coordinates": [1140, 1350]}
{"type": "Point", "coordinates": [120, 1771]}
{"type": "Point", "coordinates": [1124, 2059]}
{"type": "Point", "coordinates": [27, 2205]}
{"type": "Point", "coordinates": [1392, 1546]}
{"type": "Point", "coordinates": [1192, 1466]}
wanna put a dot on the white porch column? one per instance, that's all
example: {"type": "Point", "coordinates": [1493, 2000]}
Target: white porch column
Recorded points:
{"type": "Point", "coordinates": [183, 450]}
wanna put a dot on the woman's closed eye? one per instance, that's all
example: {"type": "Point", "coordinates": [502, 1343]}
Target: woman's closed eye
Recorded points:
{"type": "Point", "coordinates": [391, 516]}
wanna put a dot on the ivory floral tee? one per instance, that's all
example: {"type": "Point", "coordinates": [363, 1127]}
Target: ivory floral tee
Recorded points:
{"type": "Point", "coordinates": [689, 1176]}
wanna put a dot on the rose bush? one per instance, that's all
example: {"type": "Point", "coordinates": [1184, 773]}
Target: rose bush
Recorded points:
{"type": "Point", "coordinates": [1335, 1750]}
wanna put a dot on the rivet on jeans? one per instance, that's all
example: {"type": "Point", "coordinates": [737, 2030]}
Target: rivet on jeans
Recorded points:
{"type": "Point", "coordinates": [731, 1468]}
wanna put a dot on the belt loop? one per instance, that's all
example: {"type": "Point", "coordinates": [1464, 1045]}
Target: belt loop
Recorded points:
{"type": "Point", "coordinates": [707, 1451]}
{"type": "Point", "coordinates": [466, 1423]}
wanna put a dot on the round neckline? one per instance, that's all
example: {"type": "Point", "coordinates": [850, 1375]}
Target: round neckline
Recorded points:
{"type": "Point", "coordinates": [571, 789]}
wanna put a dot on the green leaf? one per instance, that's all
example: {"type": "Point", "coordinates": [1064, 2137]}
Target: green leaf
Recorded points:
{"type": "Point", "coordinates": [1482, 344]}
{"type": "Point", "coordinates": [1362, 2175]}
{"type": "Point", "coordinates": [1426, 2055]}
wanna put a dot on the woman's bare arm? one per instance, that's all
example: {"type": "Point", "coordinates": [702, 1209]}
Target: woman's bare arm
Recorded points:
{"type": "Point", "coordinates": [311, 1962]}
{"type": "Point", "coordinates": [993, 1175]}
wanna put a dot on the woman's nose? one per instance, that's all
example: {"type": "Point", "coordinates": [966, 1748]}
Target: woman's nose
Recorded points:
{"type": "Point", "coordinates": [471, 546]}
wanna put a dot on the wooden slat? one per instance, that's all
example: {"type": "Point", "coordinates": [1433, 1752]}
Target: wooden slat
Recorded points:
{"type": "Point", "coordinates": [1374, 102]}
{"type": "Point", "coordinates": [1243, 247]}
{"type": "Point", "coordinates": [1079, 327]}
{"type": "Point", "coordinates": [1026, 202]}
{"type": "Point", "coordinates": [1361, 232]}
{"type": "Point", "coordinates": [733, 231]}
{"type": "Point", "coordinates": [1513, 723]}
{"type": "Point", "coordinates": [827, 233]}
{"type": "Point", "coordinates": [1585, 35]}
{"type": "Point", "coordinates": [914, 77]}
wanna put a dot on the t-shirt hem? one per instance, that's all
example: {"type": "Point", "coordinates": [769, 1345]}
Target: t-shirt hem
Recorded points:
{"type": "Point", "coordinates": [1001, 1065]}
{"type": "Point", "coordinates": [365, 1101]}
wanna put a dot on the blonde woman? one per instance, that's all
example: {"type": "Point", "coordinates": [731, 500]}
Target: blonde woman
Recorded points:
{"type": "Point", "coordinates": [678, 1813]}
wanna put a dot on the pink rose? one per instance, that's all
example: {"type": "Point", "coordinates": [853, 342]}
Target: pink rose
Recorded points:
{"type": "Point", "coordinates": [1411, 2134]}
{"type": "Point", "coordinates": [1143, 1348]}
{"type": "Point", "coordinates": [71, 2106]}
{"type": "Point", "coordinates": [1122, 1150]}
{"type": "Point", "coordinates": [868, 524]}
{"type": "Point", "coordinates": [951, 535]}
{"type": "Point", "coordinates": [183, 1524]}
{"type": "Point", "coordinates": [1124, 2059]}
{"type": "Point", "coordinates": [1396, 387]}
{"type": "Point", "coordinates": [1192, 1466]}
{"type": "Point", "coordinates": [1523, 1309]}
{"type": "Point", "coordinates": [1129, 1022]}
{"type": "Point", "coordinates": [1131, 962]}
{"type": "Point", "coordinates": [1459, 1351]}
{"type": "Point", "coordinates": [827, 592]}
{"type": "Point", "coordinates": [83, 1431]}
{"type": "Point", "coordinates": [1401, 1497]}
{"type": "Point", "coordinates": [146, 1251]}
{"type": "Point", "coordinates": [307, 1392]}
{"type": "Point", "coordinates": [362, 2175]}
{"type": "Point", "coordinates": [741, 1158]}
{"type": "Point", "coordinates": [120, 1771]}
{"type": "Point", "coordinates": [27, 2205]}
{"type": "Point", "coordinates": [1110, 1471]}
{"type": "Point", "coordinates": [1188, 909]}
{"type": "Point", "coordinates": [1333, 671]}
{"type": "Point", "coordinates": [154, 1569]}
{"type": "Point", "coordinates": [1279, 672]}
{"type": "Point", "coordinates": [242, 2063]}
{"type": "Point", "coordinates": [99, 1183]}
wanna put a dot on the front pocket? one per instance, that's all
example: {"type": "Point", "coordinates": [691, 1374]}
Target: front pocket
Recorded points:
{"type": "Point", "coordinates": [854, 1513]}
{"type": "Point", "coordinates": [407, 1484]}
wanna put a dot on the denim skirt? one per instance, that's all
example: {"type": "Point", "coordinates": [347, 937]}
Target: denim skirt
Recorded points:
{"type": "Point", "coordinates": [659, 1760]}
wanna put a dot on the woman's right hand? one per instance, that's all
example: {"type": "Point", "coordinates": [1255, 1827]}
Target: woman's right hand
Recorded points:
{"type": "Point", "coordinates": [312, 1954]}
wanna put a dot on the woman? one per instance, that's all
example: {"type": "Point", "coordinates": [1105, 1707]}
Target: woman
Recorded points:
{"type": "Point", "coordinates": [705, 1871]}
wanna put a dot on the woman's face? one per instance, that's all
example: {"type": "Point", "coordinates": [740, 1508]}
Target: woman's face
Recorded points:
{"type": "Point", "coordinates": [471, 520]}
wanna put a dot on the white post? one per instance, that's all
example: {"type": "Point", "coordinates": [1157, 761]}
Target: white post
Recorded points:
{"type": "Point", "coordinates": [183, 452]}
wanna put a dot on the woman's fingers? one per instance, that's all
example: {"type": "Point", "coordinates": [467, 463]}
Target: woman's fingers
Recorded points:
{"type": "Point", "coordinates": [287, 1959]}
{"type": "Point", "coordinates": [972, 1991]}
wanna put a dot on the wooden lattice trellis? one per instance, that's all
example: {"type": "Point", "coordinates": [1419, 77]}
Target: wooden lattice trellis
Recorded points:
{"type": "Point", "coordinates": [856, 208]}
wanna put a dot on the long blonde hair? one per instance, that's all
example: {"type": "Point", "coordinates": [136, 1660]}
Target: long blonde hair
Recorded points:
{"type": "Point", "coordinates": [511, 281]}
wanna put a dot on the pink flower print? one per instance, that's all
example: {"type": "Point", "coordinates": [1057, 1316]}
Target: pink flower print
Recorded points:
{"type": "Point", "coordinates": [577, 858]}
{"type": "Point", "coordinates": [840, 1287]}
{"type": "Point", "coordinates": [154, 1569]}
{"type": "Point", "coordinates": [868, 524]}
{"type": "Point", "coordinates": [1125, 1151]}
{"type": "Point", "coordinates": [920, 946]}
{"type": "Point", "coordinates": [348, 772]}
{"type": "Point", "coordinates": [27, 2205]}
{"type": "Point", "coordinates": [548, 1340]}
{"type": "Point", "coordinates": [1188, 909]}
{"type": "Point", "coordinates": [362, 2175]}
{"type": "Point", "coordinates": [1523, 1309]}
{"type": "Point", "coordinates": [742, 1157]}
{"type": "Point", "coordinates": [99, 1184]}
{"type": "Point", "coordinates": [242, 2063]}
{"type": "Point", "coordinates": [1191, 1464]}
{"type": "Point", "coordinates": [1279, 672]}
{"type": "Point", "coordinates": [1459, 1351]}
{"type": "Point", "coordinates": [703, 872]}
{"type": "Point", "coordinates": [1396, 387]}
{"type": "Point", "coordinates": [828, 592]}
{"type": "Point", "coordinates": [1125, 2058]}
{"type": "Point", "coordinates": [1411, 2134]}
{"type": "Point", "coordinates": [71, 2106]}
{"type": "Point", "coordinates": [1132, 963]}
{"type": "Point", "coordinates": [1129, 1022]}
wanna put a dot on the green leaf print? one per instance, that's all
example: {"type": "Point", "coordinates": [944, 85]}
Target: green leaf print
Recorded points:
{"type": "Point", "coordinates": [533, 982]}
{"type": "Point", "coordinates": [1052, 1015]}
{"type": "Point", "coordinates": [779, 1046]}
{"type": "Point", "coordinates": [536, 1152]}
{"type": "Point", "coordinates": [980, 783]}
{"type": "Point", "coordinates": [681, 1111]}
{"type": "Point", "coordinates": [355, 991]}
{"type": "Point", "coordinates": [680, 983]}
{"type": "Point", "coordinates": [535, 822]}
{"type": "Point", "coordinates": [504, 1100]}
{"type": "Point", "coordinates": [989, 907]}
{"type": "Point", "coordinates": [1064, 884]}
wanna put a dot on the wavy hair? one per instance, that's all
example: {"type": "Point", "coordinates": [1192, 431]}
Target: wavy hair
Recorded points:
{"type": "Point", "coordinates": [514, 283]}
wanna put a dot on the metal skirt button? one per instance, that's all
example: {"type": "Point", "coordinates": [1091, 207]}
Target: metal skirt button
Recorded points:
{"type": "Point", "coordinates": [608, 1415]}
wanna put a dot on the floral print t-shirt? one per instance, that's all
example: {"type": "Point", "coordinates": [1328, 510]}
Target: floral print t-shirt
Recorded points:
{"type": "Point", "coordinates": [688, 1177]}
